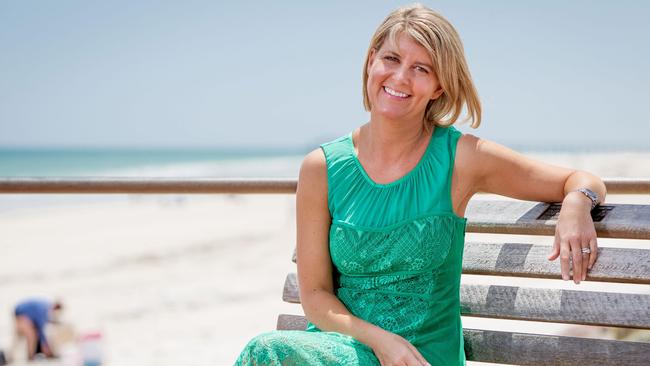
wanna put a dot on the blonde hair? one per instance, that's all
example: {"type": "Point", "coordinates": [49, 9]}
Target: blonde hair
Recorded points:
{"type": "Point", "coordinates": [440, 39]}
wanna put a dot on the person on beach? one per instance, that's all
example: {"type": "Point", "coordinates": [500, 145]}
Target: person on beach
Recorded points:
{"type": "Point", "coordinates": [380, 211]}
{"type": "Point", "coordinates": [32, 315]}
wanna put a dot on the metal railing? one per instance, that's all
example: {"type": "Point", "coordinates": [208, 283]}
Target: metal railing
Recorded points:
{"type": "Point", "coordinates": [210, 185]}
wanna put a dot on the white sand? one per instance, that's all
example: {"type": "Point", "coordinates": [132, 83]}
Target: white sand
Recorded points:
{"type": "Point", "coordinates": [167, 284]}
{"type": "Point", "coordinates": [173, 280]}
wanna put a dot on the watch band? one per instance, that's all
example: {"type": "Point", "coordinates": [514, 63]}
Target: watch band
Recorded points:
{"type": "Point", "coordinates": [593, 196]}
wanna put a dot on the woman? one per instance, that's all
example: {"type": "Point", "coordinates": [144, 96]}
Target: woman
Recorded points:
{"type": "Point", "coordinates": [380, 211]}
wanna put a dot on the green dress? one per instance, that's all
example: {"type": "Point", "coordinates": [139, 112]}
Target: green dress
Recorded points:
{"type": "Point", "coordinates": [397, 249]}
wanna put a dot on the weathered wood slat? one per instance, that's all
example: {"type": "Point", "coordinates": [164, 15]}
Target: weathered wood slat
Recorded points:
{"type": "Point", "coordinates": [536, 349]}
{"type": "Point", "coordinates": [291, 322]}
{"type": "Point", "coordinates": [556, 305]}
{"type": "Point", "coordinates": [539, 304]}
{"type": "Point", "coordinates": [522, 217]}
{"type": "Point", "coordinates": [291, 292]}
{"type": "Point", "coordinates": [621, 265]}
{"type": "Point", "coordinates": [532, 349]}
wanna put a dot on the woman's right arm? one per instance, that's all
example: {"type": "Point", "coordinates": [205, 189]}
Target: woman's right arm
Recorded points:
{"type": "Point", "coordinates": [320, 304]}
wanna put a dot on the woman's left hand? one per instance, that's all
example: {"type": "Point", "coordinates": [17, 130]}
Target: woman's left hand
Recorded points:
{"type": "Point", "coordinates": [573, 232]}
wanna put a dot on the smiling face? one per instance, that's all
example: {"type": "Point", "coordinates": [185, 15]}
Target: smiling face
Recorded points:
{"type": "Point", "coordinates": [401, 79]}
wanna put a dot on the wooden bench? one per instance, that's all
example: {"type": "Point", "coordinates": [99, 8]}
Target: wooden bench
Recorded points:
{"type": "Point", "coordinates": [611, 309]}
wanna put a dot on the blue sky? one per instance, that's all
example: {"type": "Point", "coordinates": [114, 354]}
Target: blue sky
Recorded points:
{"type": "Point", "coordinates": [288, 74]}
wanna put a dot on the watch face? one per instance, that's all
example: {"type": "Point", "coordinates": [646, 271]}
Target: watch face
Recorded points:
{"type": "Point", "coordinates": [591, 195]}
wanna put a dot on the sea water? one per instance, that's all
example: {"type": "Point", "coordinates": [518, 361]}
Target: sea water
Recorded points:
{"type": "Point", "coordinates": [135, 163]}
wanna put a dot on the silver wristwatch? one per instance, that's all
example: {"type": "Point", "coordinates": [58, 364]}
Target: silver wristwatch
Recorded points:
{"type": "Point", "coordinates": [593, 196]}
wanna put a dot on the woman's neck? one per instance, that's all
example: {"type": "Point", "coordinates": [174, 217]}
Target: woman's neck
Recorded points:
{"type": "Point", "coordinates": [390, 141]}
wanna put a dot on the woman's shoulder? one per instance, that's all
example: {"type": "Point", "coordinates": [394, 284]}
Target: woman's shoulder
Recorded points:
{"type": "Point", "coordinates": [315, 165]}
{"type": "Point", "coordinates": [314, 160]}
{"type": "Point", "coordinates": [477, 159]}
{"type": "Point", "coordinates": [467, 141]}
{"type": "Point", "coordinates": [312, 180]}
{"type": "Point", "coordinates": [313, 169]}
{"type": "Point", "coordinates": [467, 161]}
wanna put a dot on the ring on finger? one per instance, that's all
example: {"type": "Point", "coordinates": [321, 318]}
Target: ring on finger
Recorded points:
{"type": "Point", "coordinates": [585, 250]}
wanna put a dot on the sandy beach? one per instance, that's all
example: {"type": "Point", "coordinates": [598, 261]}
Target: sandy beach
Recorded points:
{"type": "Point", "coordinates": [187, 280]}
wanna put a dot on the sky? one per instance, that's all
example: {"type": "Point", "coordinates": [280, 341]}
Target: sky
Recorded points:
{"type": "Point", "coordinates": [287, 74]}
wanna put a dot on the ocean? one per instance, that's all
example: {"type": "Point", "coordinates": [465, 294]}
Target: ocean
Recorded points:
{"type": "Point", "coordinates": [204, 163]}
{"type": "Point", "coordinates": [167, 163]}
{"type": "Point", "coordinates": [131, 163]}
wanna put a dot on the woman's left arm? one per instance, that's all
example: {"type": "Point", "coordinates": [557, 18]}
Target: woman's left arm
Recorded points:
{"type": "Point", "coordinates": [503, 171]}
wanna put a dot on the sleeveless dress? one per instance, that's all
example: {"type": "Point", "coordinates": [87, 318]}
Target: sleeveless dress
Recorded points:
{"type": "Point", "coordinates": [397, 252]}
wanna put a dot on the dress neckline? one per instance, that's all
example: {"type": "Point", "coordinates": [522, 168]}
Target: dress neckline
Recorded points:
{"type": "Point", "coordinates": [436, 132]}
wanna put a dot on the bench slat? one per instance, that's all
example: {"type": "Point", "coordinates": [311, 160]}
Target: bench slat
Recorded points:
{"type": "Point", "coordinates": [521, 217]}
{"type": "Point", "coordinates": [291, 322]}
{"type": "Point", "coordinates": [621, 265]}
{"type": "Point", "coordinates": [291, 292]}
{"type": "Point", "coordinates": [536, 349]}
{"type": "Point", "coordinates": [539, 304]}
{"type": "Point", "coordinates": [555, 305]}
{"type": "Point", "coordinates": [531, 349]}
